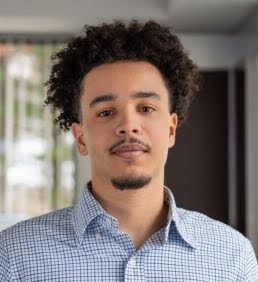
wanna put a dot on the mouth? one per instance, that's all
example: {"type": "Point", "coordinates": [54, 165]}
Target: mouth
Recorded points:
{"type": "Point", "coordinates": [131, 151]}
{"type": "Point", "coordinates": [129, 154]}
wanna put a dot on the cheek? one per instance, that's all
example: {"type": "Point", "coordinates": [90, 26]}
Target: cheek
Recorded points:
{"type": "Point", "coordinates": [160, 130]}
{"type": "Point", "coordinates": [160, 137]}
{"type": "Point", "coordinates": [96, 139]}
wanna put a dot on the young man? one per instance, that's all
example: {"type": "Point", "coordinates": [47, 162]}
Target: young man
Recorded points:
{"type": "Point", "coordinates": [124, 90]}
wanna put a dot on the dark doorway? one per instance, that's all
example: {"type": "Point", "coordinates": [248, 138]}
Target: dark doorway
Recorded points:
{"type": "Point", "coordinates": [196, 169]}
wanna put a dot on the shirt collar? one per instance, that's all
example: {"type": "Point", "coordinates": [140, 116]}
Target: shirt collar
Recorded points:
{"type": "Point", "coordinates": [180, 219]}
{"type": "Point", "coordinates": [88, 208]}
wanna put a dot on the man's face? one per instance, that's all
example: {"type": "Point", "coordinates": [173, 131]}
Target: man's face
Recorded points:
{"type": "Point", "coordinates": [133, 111]}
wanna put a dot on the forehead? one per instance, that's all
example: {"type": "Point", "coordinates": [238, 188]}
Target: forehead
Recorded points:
{"type": "Point", "coordinates": [123, 79]}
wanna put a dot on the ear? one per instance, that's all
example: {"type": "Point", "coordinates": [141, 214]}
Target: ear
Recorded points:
{"type": "Point", "coordinates": [77, 131]}
{"type": "Point", "coordinates": [172, 129]}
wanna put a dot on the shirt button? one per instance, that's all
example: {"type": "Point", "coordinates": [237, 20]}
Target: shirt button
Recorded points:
{"type": "Point", "coordinates": [132, 263]}
{"type": "Point", "coordinates": [97, 235]}
{"type": "Point", "coordinates": [108, 221]}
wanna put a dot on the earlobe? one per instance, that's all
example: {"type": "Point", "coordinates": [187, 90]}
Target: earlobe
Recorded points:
{"type": "Point", "coordinates": [79, 139]}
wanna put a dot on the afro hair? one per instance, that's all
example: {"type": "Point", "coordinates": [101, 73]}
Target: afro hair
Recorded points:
{"type": "Point", "coordinates": [108, 43]}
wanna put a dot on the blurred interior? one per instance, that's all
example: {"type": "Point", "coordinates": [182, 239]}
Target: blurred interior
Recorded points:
{"type": "Point", "coordinates": [213, 167]}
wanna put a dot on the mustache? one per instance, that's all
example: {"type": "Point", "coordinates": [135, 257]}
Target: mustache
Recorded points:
{"type": "Point", "coordinates": [131, 140]}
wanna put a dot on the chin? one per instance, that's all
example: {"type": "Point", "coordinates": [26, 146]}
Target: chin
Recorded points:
{"type": "Point", "coordinates": [130, 182]}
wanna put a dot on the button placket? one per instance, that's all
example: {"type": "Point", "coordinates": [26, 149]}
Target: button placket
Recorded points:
{"type": "Point", "coordinates": [132, 263]}
{"type": "Point", "coordinates": [108, 221]}
{"type": "Point", "coordinates": [98, 235]}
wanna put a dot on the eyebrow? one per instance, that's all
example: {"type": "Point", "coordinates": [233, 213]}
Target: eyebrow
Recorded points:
{"type": "Point", "coordinates": [112, 97]}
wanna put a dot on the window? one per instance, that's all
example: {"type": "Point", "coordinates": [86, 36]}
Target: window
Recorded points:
{"type": "Point", "coordinates": [36, 162]}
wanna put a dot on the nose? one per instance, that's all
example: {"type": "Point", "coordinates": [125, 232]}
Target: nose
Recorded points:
{"type": "Point", "coordinates": [129, 123]}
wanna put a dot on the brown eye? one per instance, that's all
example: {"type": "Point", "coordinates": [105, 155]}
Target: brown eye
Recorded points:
{"type": "Point", "coordinates": [104, 113]}
{"type": "Point", "coordinates": [147, 109]}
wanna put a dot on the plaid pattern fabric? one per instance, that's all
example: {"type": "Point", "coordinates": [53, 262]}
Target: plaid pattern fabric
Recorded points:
{"type": "Point", "coordinates": [83, 243]}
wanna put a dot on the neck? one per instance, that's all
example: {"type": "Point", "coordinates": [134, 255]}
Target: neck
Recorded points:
{"type": "Point", "coordinates": [140, 213]}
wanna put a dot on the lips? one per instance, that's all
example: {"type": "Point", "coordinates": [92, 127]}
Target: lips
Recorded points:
{"type": "Point", "coordinates": [129, 148]}
{"type": "Point", "coordinates": [130, 151]}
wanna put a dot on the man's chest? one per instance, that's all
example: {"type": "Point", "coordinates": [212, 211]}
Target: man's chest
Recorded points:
{"type": "Point", "coordinates": [113, 259]}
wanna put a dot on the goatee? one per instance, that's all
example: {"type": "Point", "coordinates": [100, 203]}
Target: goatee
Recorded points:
{"type": "Point", "coordinates": [130, 183]}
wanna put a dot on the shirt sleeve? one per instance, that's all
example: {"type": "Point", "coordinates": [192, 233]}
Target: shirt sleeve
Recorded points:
{"type": "Point", "coordinates": [251, 265]}
{"type": "Point", "coordinates": [5, 272]}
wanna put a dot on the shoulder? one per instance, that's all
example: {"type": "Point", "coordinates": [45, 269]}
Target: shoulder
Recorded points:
{"type": "Point", "coordinates": [211, 233]}
{"type": "Point", "coordinates": [51, 224]}
{"type": "Point", "coordinates": [28, 240]}
{"type": "Point", "coordinates": [220, 244]}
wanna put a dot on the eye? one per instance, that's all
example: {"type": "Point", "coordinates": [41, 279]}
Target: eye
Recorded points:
{"type": "Point", "coordinates": [147, 109]}
{"type": "Point", "coordinates": [105, 113]}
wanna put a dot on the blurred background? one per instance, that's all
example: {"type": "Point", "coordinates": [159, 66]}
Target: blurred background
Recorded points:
{"type": "Point", "coordinates": [213, 166]}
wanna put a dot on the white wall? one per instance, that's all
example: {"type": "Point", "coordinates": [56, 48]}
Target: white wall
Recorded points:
{"type": "Point", "coordinates": [251, 128]}
{"type": "Point", "coordinates": [248, 42]}
{"type": "Point", "coordinates": [83, 172]}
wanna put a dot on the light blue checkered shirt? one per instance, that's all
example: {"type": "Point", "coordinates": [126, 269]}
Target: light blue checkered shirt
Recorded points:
{"type": "Point", "coordinates": [83, 243]}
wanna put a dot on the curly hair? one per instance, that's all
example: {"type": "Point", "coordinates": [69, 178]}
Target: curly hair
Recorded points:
{"type": "Point", "coordinates": [108, 43]}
